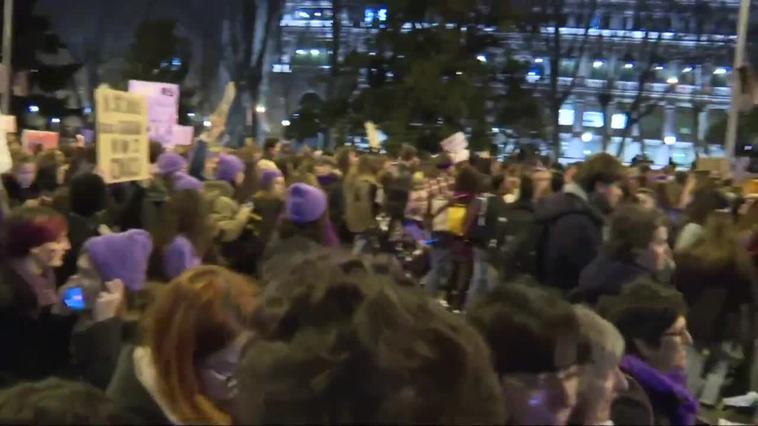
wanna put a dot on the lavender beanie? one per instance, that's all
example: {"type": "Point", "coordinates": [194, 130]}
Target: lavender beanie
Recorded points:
{"type": "Point", "coordinates": [121, 256]}
{"type": "Point", "coordinates": [229, 166]}
{"type": "Point", "coordinates": [184, 182]}
{"type": "Point", "coordinates": [305, 203]}
{"type": "Point", "coordinates": [170, 162]}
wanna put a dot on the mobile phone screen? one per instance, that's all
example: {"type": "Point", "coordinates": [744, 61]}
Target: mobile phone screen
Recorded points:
{"type": "Point", "coordinates": [74, 299]}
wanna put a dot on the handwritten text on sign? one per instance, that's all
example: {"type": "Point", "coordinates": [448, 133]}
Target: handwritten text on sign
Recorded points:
{"type": "Point", "coordinates": [122, 140]}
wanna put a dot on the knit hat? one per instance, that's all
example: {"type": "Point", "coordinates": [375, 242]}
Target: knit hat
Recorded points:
{"type": "Point", "coordinates": [266, 165]}
{"type": "Point", "coordinates": [305, 203]}
{"type": "Point", "coordinates": [121, 256]}
{"type": "Point", "coordinates": [229, 166]}
{"type": "Point", "coordinates": [178, 257]}
{"type": "Point", "coordinates": [170, 162]}
{"type": "Point", "coordinates": [185, 182]}
{"type": "Point", "coordinates": [268, 177]}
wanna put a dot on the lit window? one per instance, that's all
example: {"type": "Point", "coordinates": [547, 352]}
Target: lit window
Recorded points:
{"type": "Point", "coordinates": [566, 117]}
{"type": "Point", "coordinates": [592, 119]}
{"type": "Point", "coordinates": [618, 121]}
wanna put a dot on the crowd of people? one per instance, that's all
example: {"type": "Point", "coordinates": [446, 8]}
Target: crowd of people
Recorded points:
{"type": "Point", "coordinates": [268, 286]}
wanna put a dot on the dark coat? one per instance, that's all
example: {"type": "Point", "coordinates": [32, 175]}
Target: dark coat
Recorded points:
{"type": "Point", "coordinates": [17, 195]}
{"type": "Point", "coordinates": [80, 229]}
{"type": "Point", "coordinates": [571, 234]}
{"type": "Point", "coordinates": [632, 407]}
{"type": "Point", "coordinates": [35, 342]}
{"type": "Point", "coordinates": [604, 277]}
{"type": "Point", "coordinates": [130, 396]}
{"type": "Point", "coordinates": [716, 298]}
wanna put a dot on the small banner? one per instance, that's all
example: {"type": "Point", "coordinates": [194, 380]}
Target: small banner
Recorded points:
{"type": "Point", "coordinates": [162, 108]}
{"type": "Point", "coordinates": [34, 141]}
{"type": "Point", "coordinates": [373, 135]}
{"type": "Point", "coordinates": [123, 152]}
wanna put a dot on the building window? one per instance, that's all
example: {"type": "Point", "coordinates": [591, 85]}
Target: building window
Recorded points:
{"type": "Point", "coordinates": [618, 121]}
{"type": "Point", "coordinates": [685, 124]}
{"type": "Point", "coordinates": [592, 119]}
{"type": "Point", "coordinates": [651, 126]}
{"type": "Point", "coordinates": [721, 77]}
{"type": "Point", "coordinates": [567, 67]}
{"type": "Point", "coordinates": [599, 69]}
{"type": "Point", "coordinates": [566, 117]}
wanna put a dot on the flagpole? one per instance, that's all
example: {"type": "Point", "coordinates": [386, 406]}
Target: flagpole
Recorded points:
{"type": "Point", "coordinates": [739, 61]}
{"type": "Point", "coordinates": [7, 54]}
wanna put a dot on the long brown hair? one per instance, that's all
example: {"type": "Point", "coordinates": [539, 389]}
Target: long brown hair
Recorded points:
{"type": "Point", "coordinates": [197, 314]}
{"type": "Point", "coordinates": [720, 247]}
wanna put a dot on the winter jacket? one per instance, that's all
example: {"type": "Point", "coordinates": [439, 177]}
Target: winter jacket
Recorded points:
{"type": "Point", "coordinates": [35, 341]}
{"type": "Point", "coordinates": [17, 195]}
{"type": "Point", "coordinates": [226, 214]}
{"type": "Point", "coordinates": [571, 234]}
{"type": "Point", "coordinates": [360, 207]}
{"type": "Point", "coordinates": [80, 229]}
{"type": "Point", "coordinates": [132, 388]}
{"type": "Point", "coordinates": [632, 407]}
{"type": "Point", "coordinates": [269, 209]}
{"type": "Point", "coordinates": [672, 402]}
{"type": "Point", "coordinates": [716, 298]}
{"type": "Point", "coordinates": [605, 276]}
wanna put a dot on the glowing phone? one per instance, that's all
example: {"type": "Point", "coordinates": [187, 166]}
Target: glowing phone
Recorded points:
{"type": "Point", "coordinates": [73, 298]}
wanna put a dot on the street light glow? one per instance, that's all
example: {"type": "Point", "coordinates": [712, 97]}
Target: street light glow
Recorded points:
{"type": "Point", "coordinates": [587, 137]}
{"type": "Point", "coordinates": [687, 69]}
{"type": "Point", "coordinates": [719, 71]}
{"type": "Point", "coordinates": [669, 140]}
{"type": "Point", "coordinates": [55, 120]}
{"type": "Point", "coordinates": [33, 108]}
{"type": "Point", "coordinates": [260, 109]}
{"type": "Point", "coordinates": [315, 52]}
{"type": "Point", "coordinates": [598, 64]}
{"type": "Point", "coordinates": [539, 61]}
{"type": "Point", "coordinates": [482, 59]}
{"type": "Point", "coordinates": [286, 123]}
{"type": "Point", "coordinates": [628, 66]}
{"type": "Point", "coordinates": [301, 52]}
{"type": "Point", "coordinates": [672, 80]}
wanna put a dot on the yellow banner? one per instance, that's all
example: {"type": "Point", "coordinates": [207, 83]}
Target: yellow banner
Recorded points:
{"type": "Point", "coordinates": [123, 147]}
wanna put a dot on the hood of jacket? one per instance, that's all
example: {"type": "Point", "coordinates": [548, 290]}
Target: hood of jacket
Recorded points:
{"type": "Point", "coordinates": [572, 201]}
{"type": "Point", "coordinates": [606, 276]}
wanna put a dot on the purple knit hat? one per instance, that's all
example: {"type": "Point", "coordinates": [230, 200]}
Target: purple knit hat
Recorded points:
{"type": "Point", "coordinates": [121, 256]}
{"type": "Point", "coordinates": [185, 182]}
{"type": "Point", "coordinates": [268, 177]}
{"type": "Point", "coordinates": [170, 162]}
{"type": "Point", "coordinates": [305, 203]}
{"type": "Point", "coordinates": [229, 166]}
{"type": "Point", "coordinates": [179, 256]}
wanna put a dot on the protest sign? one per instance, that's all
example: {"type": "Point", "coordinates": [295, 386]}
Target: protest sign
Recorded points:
{"type": "Point", "coordinates": [456, 146]}
{"type": "Point", "coordinates": [122, 137]}
{"type": "Point", "coordinates": [182, 135]}
{"type": "Point", "coordinates": [714, 165]}
{"type": "Point", "coordinates": [372, 134]}
{"type": "Point", "coordinates": [6, 163]}
{"type": "Point", "coordinates": [162, 106]}
{"type": "Point", "coordinates": [35, 140]}
{"type": "Point", "coordinates": [8, 124]}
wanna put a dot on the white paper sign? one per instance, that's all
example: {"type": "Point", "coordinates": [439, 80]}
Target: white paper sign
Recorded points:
{"type": "Point", "coordinates": [162, 108]}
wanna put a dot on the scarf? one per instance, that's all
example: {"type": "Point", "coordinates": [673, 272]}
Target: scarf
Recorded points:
{"type": "Point", "coordinates": [667, 391]}
{"type": "Point", "coordinates": [43, 285]}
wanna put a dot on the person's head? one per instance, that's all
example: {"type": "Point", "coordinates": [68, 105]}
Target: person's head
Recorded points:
{"type": "Point", "coordinates": [230, 169]}
{"type": "Point", "coordinates": [186, 213]}
{"type": "Point", "coordinates": [468, 181]}
{"type": "Point", "coordinates": [601, 349]}
{"type": "Point", "coordinates": [347, 159]}
{"type": "Point", "coordinates": [602, 175]}
{"type": "Point", "coordinates": [170, 163]}
{"type": "Point", "coordinates": [156, 149]}
{"type": "Point", "coordinates": [59, 402]}
{"type": "Point", "coordinates": [88, 194]}
{"type": "Point", "coordinates": [346, 342]}
{"type": "Point", "coordinates": [541, 182]}
{"type": "Point", "coordinates": [39, 233]}
{"type": "Point", "coordinates": [705, 202]}
{"type": "Point", "coordinates": [196, 330]}
{"type": "Point", "coordinates": [646, 199]}
{"type": "Point", "coordinates": [305, 213]}
{"type": "Point", "coordinates": [122, 256]}
{"type": "Point", "coordinates": [368, 165]}
{"type": "Point", "coordinates": [652, 319]}
{"type": "Point", "coordinates": [639, 235]}
{"type": "Point", "coordinates": [272, 183]}
{"type": "Point", "coordinates": [409, 155]}
{"type": "Point", "coordinates": [324, 166]}
{"type": "Point", "coordinates": [271, 148]}
{"type": "Point", "coordinates": [24, 170]}
{"type": "Point", "coordinates": [49, 171]}
{"type": "Point", "coordinates": [534, 339]}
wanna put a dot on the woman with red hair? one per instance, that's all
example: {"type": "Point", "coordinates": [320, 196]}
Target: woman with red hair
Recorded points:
{"type": "Point", "coordinates": [34, 242]}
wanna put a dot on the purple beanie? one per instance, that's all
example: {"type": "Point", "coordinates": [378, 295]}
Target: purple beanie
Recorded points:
{"type": "Point", "coordinates": [305, 203]}
{"type": "Point", "coordinates": [229, 166]}
{"type": "Point", "coordinates": [268, 177]}
{"type": "Point", "coordinates": [121, 256]}
{"type": "Point", "coordinates": [185, 182]}
{"type": "Point", "coordinates": [170, 163]}
{"type": "Point", "coordinates": [179, 256]}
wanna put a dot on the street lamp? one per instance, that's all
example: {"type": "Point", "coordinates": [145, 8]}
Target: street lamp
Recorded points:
{"type": "Point", "coordinates": [286, 123]}
{"type": "Point", "coordinates": [260, 109]}
{"type": "Point", "coordinates": [669, 140]}
{"type": "Point", "coordinates": [672, 80]}
{"type": "Point", "coordinates": [587, 137]}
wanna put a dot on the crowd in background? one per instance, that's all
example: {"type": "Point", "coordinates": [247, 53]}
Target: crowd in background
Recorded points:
{"type": "Point", "coordinates": [265, 285]}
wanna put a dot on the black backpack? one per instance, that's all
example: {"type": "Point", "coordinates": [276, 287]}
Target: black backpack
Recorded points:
{"type": "Point", "coordinates": [517, 253]}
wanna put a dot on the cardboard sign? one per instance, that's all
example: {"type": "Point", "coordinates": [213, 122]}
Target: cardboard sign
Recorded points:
{"type": "Point", "coordinates": [373, 135]}
{"type": "Point", "coordinates": [162, 106]}
{"type": "Point", "coordinates": [182, 135]}
{"type": "Point", "coordinates": [714, 165]}
{"type": "Point", "coordinates": [6, 163]}
{"type": "Point", "coordinates": [8, 124]}
{"type": "Point", "coordinates": [123, 151]}
{"type": "Point", "coordinates": [35, 140]}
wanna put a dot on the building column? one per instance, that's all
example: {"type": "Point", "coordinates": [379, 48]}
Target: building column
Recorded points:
{"type": "Point", "coordinates": [578, 117]}
{"type": "Point", "coordinates": [669, 124]}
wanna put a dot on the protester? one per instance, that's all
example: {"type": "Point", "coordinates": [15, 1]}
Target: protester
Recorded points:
{"type": "Point", "coordinates": [183, 374]}
{"type": "Point", "coordinates": [184, 238]}
{"type": "Point", "coordinates": [540, 380]}
{"type": "Point", "coordinates": [703, 204]}
{"type": "Point", "coordinates": [361, 204]}
{"type": "Point", "coordinates": [347, 344]}
{"type": "Point", "coordinates": [268, 202]}
{"type": "Point", "coordinates": [20, 184]}
{"type": "Point", "coordinates": [637, 247]}
{"type": "Point", "coordinates": [652, 319]}
{"type": "Point", "coordinates": [227, 215]}
{"type": "Point", "coordinates": [59, 402]}
{"type": "Point", "coordinates": [573, 221]}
